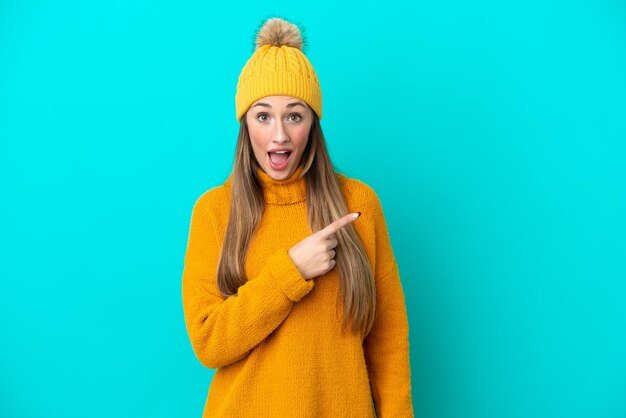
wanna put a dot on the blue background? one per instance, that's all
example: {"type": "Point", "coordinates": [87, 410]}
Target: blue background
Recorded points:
{"type": "Point", "coordinates": [494, 133]}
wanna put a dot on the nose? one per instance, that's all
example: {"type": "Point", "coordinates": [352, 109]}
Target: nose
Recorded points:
{"type": "Point", "coordinates": [280, 134]}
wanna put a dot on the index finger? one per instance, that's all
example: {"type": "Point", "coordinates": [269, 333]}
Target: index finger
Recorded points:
{"type": "Point", "coordinates": [338, 224]}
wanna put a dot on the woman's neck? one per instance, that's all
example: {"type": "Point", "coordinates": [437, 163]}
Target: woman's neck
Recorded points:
{"type": "Point", "coordinates": [289, 190]}
{"type": "Point", "coordinates": [279, 192]}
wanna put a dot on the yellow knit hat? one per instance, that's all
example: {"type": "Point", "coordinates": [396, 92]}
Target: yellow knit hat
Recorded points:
{"type": "Point", "coordinates": [278, 67]}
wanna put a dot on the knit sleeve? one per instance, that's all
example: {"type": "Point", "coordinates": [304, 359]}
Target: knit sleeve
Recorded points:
{"type": "Point", "coordinates": [386, 347]}
{"type": "Point", "coordinates": [223, 331]}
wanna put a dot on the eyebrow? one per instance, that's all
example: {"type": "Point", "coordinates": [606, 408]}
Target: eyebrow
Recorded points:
{"type": "Point", "coordinates": [288, 105]}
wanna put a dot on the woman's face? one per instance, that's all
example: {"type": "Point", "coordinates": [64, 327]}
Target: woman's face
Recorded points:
{"type": "Point", "coordinates": [279, 122]}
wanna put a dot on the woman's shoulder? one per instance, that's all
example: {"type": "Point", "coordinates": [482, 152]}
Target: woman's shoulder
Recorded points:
{"type": "Point", "coordinates": [357, 192]}
{"type": "Point", "coordinates": [212, 199]}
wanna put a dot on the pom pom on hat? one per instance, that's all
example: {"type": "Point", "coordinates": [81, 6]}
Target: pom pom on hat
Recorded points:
{"type": "Point", "coordinates": [279, 67]}
{"type": "Point", "coordinates": [278, 32]}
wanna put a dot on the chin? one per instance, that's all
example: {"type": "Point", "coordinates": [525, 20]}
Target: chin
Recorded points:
{"type": "Point", "coordinates": [282, 174]}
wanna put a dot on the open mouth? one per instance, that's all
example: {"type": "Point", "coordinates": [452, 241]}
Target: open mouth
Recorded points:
{"type": "Point", "coordinates": [279, 160]}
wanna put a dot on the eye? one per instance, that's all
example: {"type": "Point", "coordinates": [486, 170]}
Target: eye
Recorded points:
{"type": "Point", "coordinates": [261, 115]}
{"type": "Point", "coordinates": [297, 115]}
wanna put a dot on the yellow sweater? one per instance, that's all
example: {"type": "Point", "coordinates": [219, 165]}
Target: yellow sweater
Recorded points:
{"type": "Point", "coordinates": [277, 344]}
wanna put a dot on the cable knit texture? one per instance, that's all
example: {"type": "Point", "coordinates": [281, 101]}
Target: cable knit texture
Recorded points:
{"type": "Point", "coordinates": [277, 345]}
{"type": "Point", "coordinates": [277, 70]}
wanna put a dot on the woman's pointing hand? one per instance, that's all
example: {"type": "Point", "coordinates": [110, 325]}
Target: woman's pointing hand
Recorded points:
{"type": "Point", "coordinates": [315, 255]}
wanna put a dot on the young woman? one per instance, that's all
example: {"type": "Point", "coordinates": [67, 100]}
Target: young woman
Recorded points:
{"type": "Point", "coordinates": [298, 306]}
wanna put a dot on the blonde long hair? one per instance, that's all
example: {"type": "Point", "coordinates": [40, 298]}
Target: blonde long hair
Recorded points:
{"type": "Point", "coordinates": [324, 202]}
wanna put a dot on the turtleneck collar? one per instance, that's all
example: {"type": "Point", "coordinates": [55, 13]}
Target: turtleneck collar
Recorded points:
{"type": "Point", "coordinates": [283, 192]}
{"type": "Point", "coordinates": [280, 192]}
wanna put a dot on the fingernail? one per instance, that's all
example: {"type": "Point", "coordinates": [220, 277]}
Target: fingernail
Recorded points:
{"type": "Point", "coordinates": [356, 215]}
